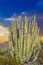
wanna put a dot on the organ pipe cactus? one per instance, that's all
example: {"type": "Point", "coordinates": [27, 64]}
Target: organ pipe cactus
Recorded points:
{"type": "Point", "coordinates": [24, 41]}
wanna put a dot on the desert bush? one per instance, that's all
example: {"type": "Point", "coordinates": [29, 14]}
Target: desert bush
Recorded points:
{"type": "Point", "coordinates": [9, 61]}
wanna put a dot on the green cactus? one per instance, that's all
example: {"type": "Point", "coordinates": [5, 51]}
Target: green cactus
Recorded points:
{"type": "Point", "coordinates": [11, 47]}
{"type": "Point", "coordinates": [24, 41]}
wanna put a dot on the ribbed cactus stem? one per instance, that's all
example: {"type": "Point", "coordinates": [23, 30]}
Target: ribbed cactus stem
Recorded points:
{"type": "Point", "coordinates": [36, 56]}
{"type": "Point", "coordinates": [23, 41]}
{"type": "Point", "coordinates": [10, 44]}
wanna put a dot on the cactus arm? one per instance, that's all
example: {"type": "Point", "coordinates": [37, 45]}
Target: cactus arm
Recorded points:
{"type": "Point", "coordinates": [36, 56]}
{"type": "Point", "coordinates": [11, 48]}
{"type": "Point", "coordinates": [22, 39]}
{"type": "Point", "coordinates": [26, 52]}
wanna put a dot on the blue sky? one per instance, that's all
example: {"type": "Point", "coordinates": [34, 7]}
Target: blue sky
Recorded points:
{"type": "Point", "coordinates": [8, 7]}
{"type": "Point", "coordinates": [32, 7]}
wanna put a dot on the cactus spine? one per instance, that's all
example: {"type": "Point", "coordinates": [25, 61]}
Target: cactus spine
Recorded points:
{"type": "Point", "coordinates": [24, 41]}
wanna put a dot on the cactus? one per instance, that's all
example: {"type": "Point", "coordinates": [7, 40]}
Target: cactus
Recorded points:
{"type": "Point", "coordinates": [24, 41]}
{"type": "Point", "coordinates": [11, 47]}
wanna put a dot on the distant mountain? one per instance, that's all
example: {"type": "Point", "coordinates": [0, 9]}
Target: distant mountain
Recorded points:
{"type": "Point", "coordinates": [4, 46]}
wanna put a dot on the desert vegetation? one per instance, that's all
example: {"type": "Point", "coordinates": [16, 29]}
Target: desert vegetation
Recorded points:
{"type": "Point", "coordinates": [24, 40]}
{"type": "Point", "coordinates": [8, 61]}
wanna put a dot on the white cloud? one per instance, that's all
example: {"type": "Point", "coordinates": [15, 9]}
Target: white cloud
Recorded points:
{"type": "Point", "coordinates": [10, 19]}
{"type": "Point", "coordinates": [3, 31]}
{"type": "Point", "coordinates": [23, 13]}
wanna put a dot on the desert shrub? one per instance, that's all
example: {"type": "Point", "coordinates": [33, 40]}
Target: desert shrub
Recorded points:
{"type": "Point", "coordinates": [9, 61]}
{"type": "Point", "coordinates": [3, 52]}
